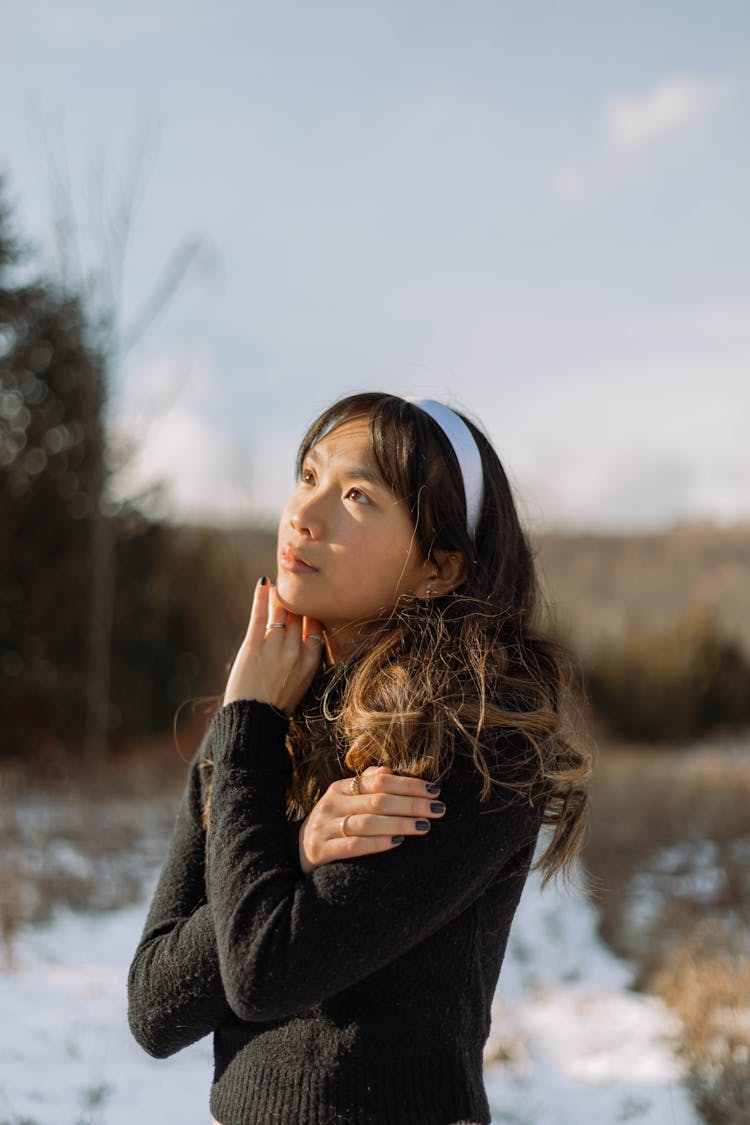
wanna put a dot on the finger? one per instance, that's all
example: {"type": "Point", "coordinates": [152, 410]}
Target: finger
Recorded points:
{"type": "Point", "coordinates": [367, 815]}
{"type": "Point", "coordinates": [314, 630]}
{"type": "Point", "coordinates": [293, 629]}
{"type": "Point", "coordinates": [312, 654]}
{"type": "Point", "coordinates": [258, 612]}
{"type": "Point", "coordinates": [350, 847]}
{"type": "Point", "coordinates": [276, 618]}
{"type": "Point", "coordinates": [382, 779]}
{"type": "Point", "coordinates": [372, 844]}
{"type": "Point", "coordinates": [369, 826]}
{"type": "Point", "coordinates": [314, 643]}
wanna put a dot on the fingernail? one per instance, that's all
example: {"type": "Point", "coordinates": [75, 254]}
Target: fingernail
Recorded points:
{"type": "Point", "coordinates": [432, 788]}
{"type": "Point", "coordinates": [422, 825]}
{"type": "Point", "coordinates": [397, 839]}
{"type": "Point", "coordinates": [263, 580]}
{"type": "Point", "coordinates": [437, 806]}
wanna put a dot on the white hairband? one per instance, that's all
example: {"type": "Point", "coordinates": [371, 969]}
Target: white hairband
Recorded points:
{"type": "Point", "coordinates": [467, 455]}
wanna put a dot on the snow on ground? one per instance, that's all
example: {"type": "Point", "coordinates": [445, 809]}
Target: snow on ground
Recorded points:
{"type": "Point", "coordinates": [579, 1046]}
{"type": "Point", "coordinates": [67, 1054]}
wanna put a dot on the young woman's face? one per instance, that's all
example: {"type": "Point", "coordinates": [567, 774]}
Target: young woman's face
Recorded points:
{"type": "Point", "coordinates": [346, 546]}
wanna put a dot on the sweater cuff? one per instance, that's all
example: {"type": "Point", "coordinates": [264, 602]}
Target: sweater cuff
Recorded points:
{"type": "Point", "coordinates": [250, 735]}
{"type": "Point", "coordinates": [292, 843]}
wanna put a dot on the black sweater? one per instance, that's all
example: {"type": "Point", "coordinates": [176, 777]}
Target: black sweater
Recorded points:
{"type": "Point", "coordinates": [358, 994]}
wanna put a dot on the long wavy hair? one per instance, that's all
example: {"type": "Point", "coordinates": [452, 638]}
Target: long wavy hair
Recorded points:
{"type": "Point", "coordinates": [472, 664]}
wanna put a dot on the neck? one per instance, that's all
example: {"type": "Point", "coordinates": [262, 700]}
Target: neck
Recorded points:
{"type": "Point", "coordinates": [342, 641]}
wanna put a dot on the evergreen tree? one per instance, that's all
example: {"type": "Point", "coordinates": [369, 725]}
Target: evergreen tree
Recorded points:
{"type": "Point", "coordinates": [51, 468]}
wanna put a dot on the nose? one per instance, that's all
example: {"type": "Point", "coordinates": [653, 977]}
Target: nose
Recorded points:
{"type": "Point", "coordinates": [305, 516]}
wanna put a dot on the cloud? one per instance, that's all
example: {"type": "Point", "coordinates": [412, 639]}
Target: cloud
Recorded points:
{"type": "Point", "coordinates": [633, 122]}
{"type": "Point", "coordinates": [679, 102]}
{"type": "Point", "coordinates": [624, 419]}
{"type": "Point", "coordinates": [645, 490]}
{"type": "Point", "coordinates": [168, 416]}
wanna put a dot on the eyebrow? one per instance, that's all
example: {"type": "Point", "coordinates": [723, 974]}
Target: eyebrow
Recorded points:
{"type": "Point", "coordinates": [355, 472]}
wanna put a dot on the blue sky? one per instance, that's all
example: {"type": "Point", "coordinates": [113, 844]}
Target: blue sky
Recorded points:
{"type": "Point", "coordinates": [537, 212]}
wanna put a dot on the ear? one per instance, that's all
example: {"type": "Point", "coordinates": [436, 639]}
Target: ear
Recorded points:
{"type": "Point", "coordinates": [444, 570]}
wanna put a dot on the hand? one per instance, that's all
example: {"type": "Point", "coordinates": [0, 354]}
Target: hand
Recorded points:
{"type": "Point", "coordinates": [387, 805]}
{"type": "Point", "coordinates": [275, 665]}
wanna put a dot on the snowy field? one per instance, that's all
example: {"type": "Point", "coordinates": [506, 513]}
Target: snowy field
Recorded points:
{"type": "Point", "coordinates": [570, 1042]}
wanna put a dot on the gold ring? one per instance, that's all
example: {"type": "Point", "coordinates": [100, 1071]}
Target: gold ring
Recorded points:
{"type": "Point", "coordinates": [342, 826]}
{"type": "Point", "coordinates": [276, 625]}
{"type": "Point", "coordinates": [354, 785]}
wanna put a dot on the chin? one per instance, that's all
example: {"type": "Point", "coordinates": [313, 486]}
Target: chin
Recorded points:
{"type": "Point", "coordinates": [287, 598]}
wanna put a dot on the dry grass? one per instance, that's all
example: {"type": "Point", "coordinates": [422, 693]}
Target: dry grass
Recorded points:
{"type": "Point", "coordinates": [671, 683]}
{"type": "Point", "coordinates": [84, 837]}
{"type": "Point", "coordinates": [707, 983]}
{"type": "Point", "coordinates": [669, 856]}
{"type": "Point", "coordinates": [600, 584]}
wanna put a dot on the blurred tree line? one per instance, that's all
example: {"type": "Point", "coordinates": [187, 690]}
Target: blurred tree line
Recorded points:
{"type": "Point", "coordinates": [180, 596]}
{"type": "Point", "coordinates": [672, 682]}
{"type": "Point", "coordinates": [51, 450]}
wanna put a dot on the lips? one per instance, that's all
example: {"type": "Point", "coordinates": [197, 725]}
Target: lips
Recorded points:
{"type": "Point", "coordinates": [292, 560]}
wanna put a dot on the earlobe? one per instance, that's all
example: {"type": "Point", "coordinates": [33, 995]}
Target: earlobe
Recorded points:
{"type": "Point", "coordinates": [451, 571]}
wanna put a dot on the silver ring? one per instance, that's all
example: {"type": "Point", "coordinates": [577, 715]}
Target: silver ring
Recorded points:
{"type": "Point", "coordinates": [342, 826]}
{"type": "Point", "coordinates": [354, 785]}
{"type": "Point", "coordinates": [316, 637]}
{"type": "Point", "coordinates": [276, 625]}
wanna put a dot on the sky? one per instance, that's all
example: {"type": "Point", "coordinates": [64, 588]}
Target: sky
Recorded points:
{"type": "Point", "coordinates": [536, 212]}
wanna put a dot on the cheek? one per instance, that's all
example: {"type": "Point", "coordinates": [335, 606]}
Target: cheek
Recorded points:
{"type": "Point", "coordinates": [283, 525]}
{"type": "Point", "coordinates": [395, 567]}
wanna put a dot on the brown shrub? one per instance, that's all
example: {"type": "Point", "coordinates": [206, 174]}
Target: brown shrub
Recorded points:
{"type": "Point", "coordinates": [668, 857]}
{"type": "Point", "coordinates": [671, 683]}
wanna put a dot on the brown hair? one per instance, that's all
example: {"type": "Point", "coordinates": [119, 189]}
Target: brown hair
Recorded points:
{"type": "Point", "coordinates": [472, 662]}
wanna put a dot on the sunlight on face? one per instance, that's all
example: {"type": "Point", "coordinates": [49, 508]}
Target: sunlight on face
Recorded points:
{"type": "Point", "coordinates": [346, 545]}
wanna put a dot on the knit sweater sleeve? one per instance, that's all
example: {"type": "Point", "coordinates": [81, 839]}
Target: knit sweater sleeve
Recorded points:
{"type": "Point", "coordinates": [175, 991]}
{"type": "Point", "coordinates": [287, 941]}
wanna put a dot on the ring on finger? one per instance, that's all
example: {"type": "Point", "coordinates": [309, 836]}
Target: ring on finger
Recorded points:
{"type": "Point", "coordinates": [354, 784]}
{"type": "Point", "coordinates": [316, 637]}
{"type": "Point", "coordinates": [276, 625]}
{"type": "Point", "coordinates": [342, 826]}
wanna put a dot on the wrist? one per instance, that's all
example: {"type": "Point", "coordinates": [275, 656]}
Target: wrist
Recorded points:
{"type": "Point", "coordinates": [250, 733]}
{"type": "Point", "coordinates": [306, 865]}
{"type": "Point", "coordinates": [234, 695]}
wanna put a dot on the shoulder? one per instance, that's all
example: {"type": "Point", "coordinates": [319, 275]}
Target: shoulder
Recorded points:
{"type": "Point", "coordinates": [502, 768]}
{"type": "Point", "coordinates": [506, 752]}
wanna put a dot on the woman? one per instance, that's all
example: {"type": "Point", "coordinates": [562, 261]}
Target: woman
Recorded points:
{"type": "Point", "coordinates": [345, 966]}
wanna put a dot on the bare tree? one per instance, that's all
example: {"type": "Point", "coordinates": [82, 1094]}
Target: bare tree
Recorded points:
{"type": "Point", "coordinates": [111, 213]}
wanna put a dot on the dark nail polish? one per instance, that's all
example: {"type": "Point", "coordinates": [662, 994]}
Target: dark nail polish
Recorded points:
{"type": "Point", "coordinates": [437, 806]}
{"type": "Point", "coordinates": [264, 581]}
{"type": "Point", "coordinates": [432, 788]}
{"type": "Point", "coordinates": [397, 839]}
{"type": "Point", "coordinates": [422, 825]}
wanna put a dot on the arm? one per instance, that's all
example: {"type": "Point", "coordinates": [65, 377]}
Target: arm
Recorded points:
{"type": "Point", "coordinates": [270, 921]}
{"type": "Point", "coordinates": [175, 992]}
